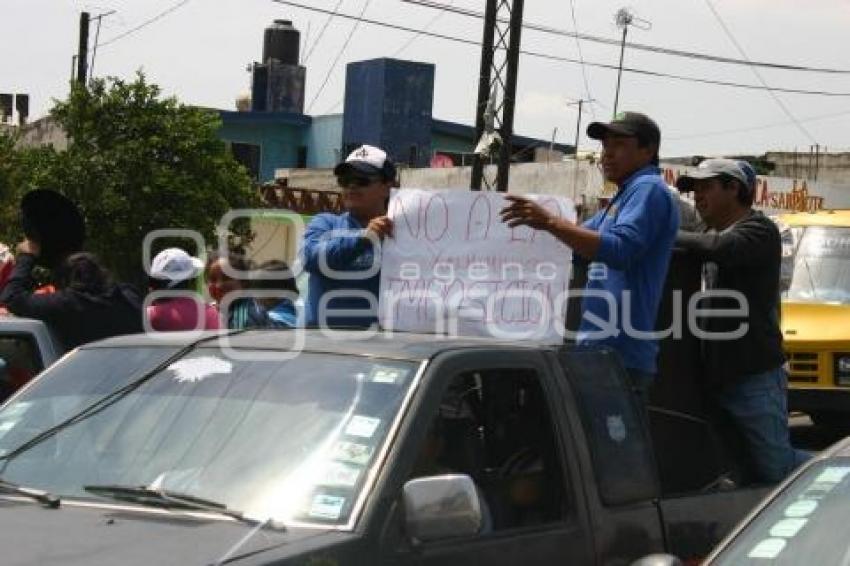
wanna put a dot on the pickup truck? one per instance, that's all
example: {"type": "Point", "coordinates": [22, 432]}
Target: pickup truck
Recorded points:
{"type": "Point", "coordinates": [342, 447]}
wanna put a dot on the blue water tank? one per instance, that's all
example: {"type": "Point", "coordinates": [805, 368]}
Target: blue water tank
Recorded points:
{"type": "Point", "coordinates": [388, 103]}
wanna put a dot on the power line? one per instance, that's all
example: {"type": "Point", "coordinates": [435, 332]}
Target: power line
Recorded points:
{"type": "Point", "coordinates": [145, 23]}
{"type": "Point", "coordinates": [757, 128]}
{"type": "Point", "coordinates": [756, 72]}
{"type": "Point", "coordinates": [322, 31]}
{"type": "Point", "coordinates": [638, 46]}
{"type": "Point", "coordinates": [581, 58]}
{"type": "Point", "coordinates": [348, 39]}
{"type": "Point", "coordinates": [398, 51]}
{"type": "Point", "coordinates": [427, 28]}
{"type": "Point", "coordinates": [549, 57]}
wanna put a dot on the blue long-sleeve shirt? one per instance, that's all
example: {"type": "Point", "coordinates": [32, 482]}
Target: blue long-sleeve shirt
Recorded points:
{"type": "Point", "coordinates": [340, 240]}
{"type": "Point", "coordinates": [637, 233]}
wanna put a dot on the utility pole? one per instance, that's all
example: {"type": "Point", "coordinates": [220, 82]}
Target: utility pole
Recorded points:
{"type": "Point", "coordinates": [494, 122]}
{"type": "Point", "coordinates": [624, 19]}
{"type": "Point", "coordinates": [83, 50]}
{"type": "Point", "coordinates": [580, 103]}
{"type": "Point", "coordinates": [99, 19]}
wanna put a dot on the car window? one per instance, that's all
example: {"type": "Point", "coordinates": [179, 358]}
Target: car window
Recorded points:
{"type": "Point", "coordinates": [20, 361]}
{"type": "Point", "coordinates": [291, 440]}
{"type": "Point", "coordinates": [808, 523]}
{"type": "Point", "coordinates": [496, 427]}
{"type": "Point", "coordinates": [614, 425]}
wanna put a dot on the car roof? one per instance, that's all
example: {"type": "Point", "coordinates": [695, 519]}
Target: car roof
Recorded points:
{"type": "Point", "coordinates": [819, 218]}
{"type": "Point", "coordinates": [384, 344]}
{"type": "Point", "coordinates": [840, 449]}
{"type": "Point", "coordinates": [16, 324]}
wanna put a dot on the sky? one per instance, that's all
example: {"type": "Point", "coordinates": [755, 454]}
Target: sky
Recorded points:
{"type": "Point", "coordinates": [199, 52]}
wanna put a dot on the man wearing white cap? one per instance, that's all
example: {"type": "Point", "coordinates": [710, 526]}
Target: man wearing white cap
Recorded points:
{"type": "Point", "coordinates": [175, 270]}
{"type": "Point", "coordinates": [341, 252]}
{"type": "Point", "coordinates": [742, 354]}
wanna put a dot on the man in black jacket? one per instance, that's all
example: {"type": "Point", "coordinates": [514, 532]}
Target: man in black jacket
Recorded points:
{"type": "Point", "coordinates": [742, 352]}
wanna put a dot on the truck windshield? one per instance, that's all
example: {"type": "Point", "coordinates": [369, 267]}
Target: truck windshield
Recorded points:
{"type": "Point", "coordinates": [822, 266]}
{"type": "Point", "coordinates": [809, 523]}
{"type": "Point", "coordinates": [294, 441]}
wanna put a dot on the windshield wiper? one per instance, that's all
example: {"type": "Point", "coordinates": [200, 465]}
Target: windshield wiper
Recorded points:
{"type": "Point", "coordinates": [47, 499]}
{"type": "Point", "coordinates": [173, 500]}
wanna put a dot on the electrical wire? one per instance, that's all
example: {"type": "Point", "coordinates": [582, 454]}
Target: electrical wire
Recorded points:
{"type": "Point", "coordinates": [427, 28]}
{"type": "Point", "coordinates": [557, 58]}
{"type": "Point", "coordinates": [348, 39]}
{"type": "Point", "coordinates": [145, 23]}
{"type": "Point", "coordinates": [758, 75]}
{"type": "Point", "coordinates": [581, 58]}
{"type": "Point", "coordinates": [322, 31]}
{"type": "Point", "coordinates": [756, 128]}
{"type": "Point", "coordinates": [638, 46]}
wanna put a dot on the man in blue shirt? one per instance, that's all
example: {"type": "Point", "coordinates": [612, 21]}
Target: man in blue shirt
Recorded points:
{"type": "Point", "coordinates": [342, 252]}
{"type": "Point", "coordinates": [628, 244]}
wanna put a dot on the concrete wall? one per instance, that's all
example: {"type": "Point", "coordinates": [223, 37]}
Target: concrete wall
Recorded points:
{"type": "Point", "coordinates": [278, 143]}
{"type": "Point", "coordinates": [828, 167]}
{"type": "Point", "coordinates": [567, 178]}
{"type": "Point", "coordinates": [44, 131]}
{"type": "Point", "coordinates": [324, 142]}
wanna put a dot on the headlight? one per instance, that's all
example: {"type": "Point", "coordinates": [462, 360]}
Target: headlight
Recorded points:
{"type": "Point", "coordinates": [842, 369]}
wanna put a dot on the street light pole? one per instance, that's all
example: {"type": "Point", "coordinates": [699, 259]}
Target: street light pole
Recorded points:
{"type": "Point", "coordinates": [625, 19]}
{"type": "Point", "coordinates": [578, 121]}
{"type": "Point", "coordinates": [620, 68]}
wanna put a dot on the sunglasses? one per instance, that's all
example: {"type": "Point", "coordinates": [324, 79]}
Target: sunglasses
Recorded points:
{"type": "Point", "coordinates": [356, 181]}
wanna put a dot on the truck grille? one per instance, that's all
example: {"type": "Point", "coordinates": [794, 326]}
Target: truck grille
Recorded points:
{"type": "Point", "coordinates": [804, 367]}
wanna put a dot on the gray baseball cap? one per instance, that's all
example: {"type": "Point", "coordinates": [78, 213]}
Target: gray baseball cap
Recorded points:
{"type": "Point", "coordinates": [709, 169]}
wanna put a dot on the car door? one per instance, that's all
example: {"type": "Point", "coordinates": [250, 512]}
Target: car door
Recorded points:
{"type": "Point", "coordinates": [504, 417]}
{"type": "Point", "coordinates": [622, 485]}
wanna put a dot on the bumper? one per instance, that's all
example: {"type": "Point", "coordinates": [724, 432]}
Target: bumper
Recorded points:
{"type": "Point", "coordinates": [819, 400]}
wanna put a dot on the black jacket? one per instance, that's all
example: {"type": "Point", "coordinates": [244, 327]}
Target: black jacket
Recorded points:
{"type": "Point", "coordinates": [74, 316]}
{"type": "Point", "coordinates": [743, 258]}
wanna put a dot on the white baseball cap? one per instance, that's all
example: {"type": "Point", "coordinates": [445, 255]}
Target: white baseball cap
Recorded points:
{"type": "Point", "coordinates": [175, 265]}
{"type": "Point", "coordinates": [367, 160]}
{"type": "Point", "coordinates": [709, 169]}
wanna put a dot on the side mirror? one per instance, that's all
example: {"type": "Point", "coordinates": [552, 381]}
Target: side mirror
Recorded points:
{"type": "Point", "coordinates": [441, 507]}
{"type": "Point", "coordinates": [658, 560]}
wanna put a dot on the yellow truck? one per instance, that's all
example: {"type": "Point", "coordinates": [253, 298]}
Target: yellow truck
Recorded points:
{"type": "Point", "coordinates": [816, 313]}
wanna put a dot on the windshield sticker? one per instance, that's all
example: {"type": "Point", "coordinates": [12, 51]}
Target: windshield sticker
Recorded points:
{"type": "Point", "coordinates": [338, 474]}
{"type": "Point", "coordinates": [386, 375]}
{"type": "Point", "coordinates": [361, 426]}
{"type": "Point", "coordinates": [833, 474]}
{"type": "Point", "coordinates": [768, 549]}
{"type": "Point", "coordinates": [801, 508]}
{"type": "Point", "coordinates": [193, 370]}
{"type": "Point", "coordinates": [326, 506]}
{"type": "Point", "coordinates": [616, 428]}
{"type": "Point", "coordinates": [352, 453]}
{"type": "Point", "coordinates": [787, 528]}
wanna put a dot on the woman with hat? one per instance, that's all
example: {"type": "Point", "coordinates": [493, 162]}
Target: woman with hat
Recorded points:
{"type": "Point", "coordinates": [83, 305]}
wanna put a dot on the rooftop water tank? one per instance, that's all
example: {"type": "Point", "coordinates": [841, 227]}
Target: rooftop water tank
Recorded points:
{"type": "Point", "coordinates": [282, 42]}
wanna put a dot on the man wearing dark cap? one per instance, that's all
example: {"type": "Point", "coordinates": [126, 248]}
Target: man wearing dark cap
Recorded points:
{"type": "Point", "coordinates": [339, 251]}
{"type": "Point", "coordinates": [742, 353]}
{"type": "Point", "coordinates": [628, 244]}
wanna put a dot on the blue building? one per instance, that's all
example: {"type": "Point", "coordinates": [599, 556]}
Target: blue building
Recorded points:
{"type": "Point", "coordinates": [388, 103]}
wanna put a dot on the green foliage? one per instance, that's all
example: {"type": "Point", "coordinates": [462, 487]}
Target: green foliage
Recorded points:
{"type": "Point", "coordinates": [136, 162]}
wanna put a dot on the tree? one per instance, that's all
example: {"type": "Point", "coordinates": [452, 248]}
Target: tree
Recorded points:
{"type": "Point", "coordinates": [135, 162]}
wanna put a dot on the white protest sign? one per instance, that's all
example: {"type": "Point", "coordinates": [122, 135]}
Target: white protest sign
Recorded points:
{"type": "Point", "coordinates": [452, 266]}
